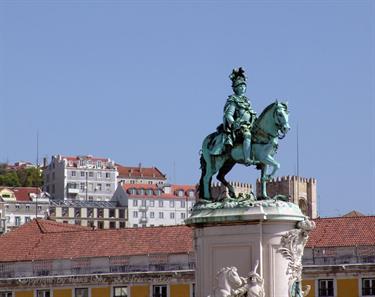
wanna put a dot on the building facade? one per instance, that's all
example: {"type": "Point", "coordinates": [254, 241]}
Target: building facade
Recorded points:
{"type": "Point", "coordinates": [96, 263]}
{"type": "Point", "coordinates": [95, 214]}
{"type": "Point", "coordinates": [339, 258]}
{"type": "Point", "coordinates": [80, 178]}
{"type": "Point", "coordinates": [19, 205]}
{"type": "Point", "coordinates": [45, 258]}
{"type": "Point", "coordinates": [156, 204]}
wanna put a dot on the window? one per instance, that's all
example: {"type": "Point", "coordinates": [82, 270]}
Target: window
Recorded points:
{"type": "Point", "coordinates": [183, 215]}
{"type": "Point", "coordinates": [160, 203]}
{"type": "Point", "coordinates": [82, 186]}
{"type": "Point", "coordinates": [73, 173]}
{"type": "Point", "coordinates": [135, 225]}
{"type": "Point", "coordinates": [107, 187]}
{"type": "Point", "coordinates": [161, 215]}
{"type": "Point", "coordinates": [100, 225]}
{"type": "Point", "coordinates": [368, 287]}
{"type": "Point", "coordinates": [152, 203]}
{"type": "Point", "coordinates": [5, 294]}
{"type": "Point", "coordinates": [152, 215]}
{"type": "Point", "coordinates": [107, 175]}
{"type": "Point", "coordinates": [135, 202]}
{"type": "Point", "coordinates": [100, 212]}
{"type": "Point", "coordinates": [82, 174]}
{"type": "Point", "coordinates": [159, 291]}
{"type": "Point", "coordinates": [143, 202]}
{"type": "Point", "coordinates": [135, 214]}
{"type": "Point", "coordinates": [180, 193]}
{"type": "Point", "coordinates": [171, 215]}
{"type": "Point", "coordinates": [99, 187]}
{"type": "Point", "coordinates": [81, 292]}
{"type": "Point", "coordinates": [64, 211]}
{"type": "Point", "coordinates": [91, 174]}
{"type": "Point", "coordinates": [120, 292]}
{"type": "Point", "coordinates": [325, 287]}
{"type": "Point", "coordinates": [77, 212]}
{"type": "Point", "coordinates": [91, 186]}
{"type": "Point", "coordinates": [141, 192]}
{"type": "Point", "coordinates": [171, 203]}
{"type": "Point", "coordinates": [112, 213]}
{"type": "Point", "coordinates": [112, 225]}
{"type": "Point", "coordinates": [27, 219]}
{"type": "Point", "coordinates": [143, 215]}
{"type": "Point", "coordinates": [121, 213]}
{"type": "Point", "coordinates": [17, 206]}
{"type": "Point", "coordinates": [99, 175]}
{"type": "Point", "coordinates": [182, 204]}
{"type": "Point", "coordinates": [27, 206]}
{"type": "Point", "coordinates": [18, 221]}
{"type": "Point", "coordinates": [122, 224]}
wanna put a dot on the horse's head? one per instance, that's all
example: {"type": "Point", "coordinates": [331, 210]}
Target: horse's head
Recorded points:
{"type": "Point", "coordinates": [281, 117]}
{"type": "Point", "coordinates": [228, 276]}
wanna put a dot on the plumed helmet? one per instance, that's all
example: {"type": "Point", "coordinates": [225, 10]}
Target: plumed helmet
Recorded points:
{"type": "Point", "coordinates": [237, 77]}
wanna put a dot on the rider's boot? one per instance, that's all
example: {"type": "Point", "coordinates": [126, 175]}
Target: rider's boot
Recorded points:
{"type": "Point", "coordinates": [247, 151]}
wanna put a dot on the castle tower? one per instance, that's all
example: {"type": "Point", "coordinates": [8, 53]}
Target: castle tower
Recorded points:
{"type": "Point", "coordinates": [301, 191]}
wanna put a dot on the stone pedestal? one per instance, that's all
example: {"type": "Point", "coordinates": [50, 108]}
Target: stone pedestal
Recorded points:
{"type": "Point", "coordinates": [241, 237]}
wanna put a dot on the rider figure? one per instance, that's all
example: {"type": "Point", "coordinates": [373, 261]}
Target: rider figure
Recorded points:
{"type": "Point", "coordinates": [239, 116]}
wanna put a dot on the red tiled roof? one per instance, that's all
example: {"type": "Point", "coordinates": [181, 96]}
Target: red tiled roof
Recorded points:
{"type": "Point", "coordinates": [140, 172]}
{"type": "Point", "coordinates": [343, 231]}
{"type": "Point", "coordinates": [354, 213]}
{"type": "Point", "coordinates": [23, 193]}
{"type": "Point", "coordinates": [43, 240]}
{"type": "Point", "coordinates": [77, 158]}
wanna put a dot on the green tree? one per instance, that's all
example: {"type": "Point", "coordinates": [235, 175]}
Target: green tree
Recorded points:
{"type": "Point", "coordinates": [30, 177]}
{"type": "Point", "coordinates": [10, 179]}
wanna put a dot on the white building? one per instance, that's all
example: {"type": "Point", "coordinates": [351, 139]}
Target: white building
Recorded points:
{"type": "Point", "coordinates": [80, 178]}
{"type": "Point", "coordinates": [156, 204]}
{"type": "Point", "coordinates": [19, 205]}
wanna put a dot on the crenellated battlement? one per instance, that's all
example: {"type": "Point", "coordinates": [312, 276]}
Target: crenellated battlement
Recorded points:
{"type": "Point", "coordinates": [301, 191]}
{"type": "Point", "coordinates": [219, 190]}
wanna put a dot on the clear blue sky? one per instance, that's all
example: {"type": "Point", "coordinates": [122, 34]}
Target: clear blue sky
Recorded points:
{"type": "Point", "coordinates": [145, 81]}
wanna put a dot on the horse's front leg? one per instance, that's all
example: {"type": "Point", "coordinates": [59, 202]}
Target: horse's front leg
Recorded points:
{"type": "Point", "coordinates": [275, 166]}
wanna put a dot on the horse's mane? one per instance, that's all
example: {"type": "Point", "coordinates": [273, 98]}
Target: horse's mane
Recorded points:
{"type": "Point", "coordinates": [224, 269]}
{"type": "Point", "coordinates": [270, 107]}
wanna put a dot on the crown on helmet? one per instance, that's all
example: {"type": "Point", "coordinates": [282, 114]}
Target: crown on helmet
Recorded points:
{"type": "Point", "coordinates": [238, 77]}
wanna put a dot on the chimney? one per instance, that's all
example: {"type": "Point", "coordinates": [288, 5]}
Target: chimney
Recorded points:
{"type": "Point", "coordinates": [45, 162]}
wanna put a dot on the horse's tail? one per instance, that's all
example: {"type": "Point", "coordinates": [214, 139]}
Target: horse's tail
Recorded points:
{"type": "Point", "coordinates": [205, 161]}
{"type": "Point", "coordinates": [203, 169]}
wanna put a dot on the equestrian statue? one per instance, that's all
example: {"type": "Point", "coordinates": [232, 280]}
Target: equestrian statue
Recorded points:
{"type": "Point", "coordinates": [242, 138]}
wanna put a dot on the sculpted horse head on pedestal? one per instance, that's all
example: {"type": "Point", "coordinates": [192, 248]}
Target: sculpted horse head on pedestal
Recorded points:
{"type": "Point", "coordinates": [227, 280]}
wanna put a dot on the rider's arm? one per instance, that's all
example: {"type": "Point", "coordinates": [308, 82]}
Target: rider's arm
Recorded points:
{"type": "Point", "coordinates": [229, 113]}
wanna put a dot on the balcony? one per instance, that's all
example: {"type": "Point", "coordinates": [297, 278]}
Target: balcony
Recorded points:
{"type": "Point", "coordinates": [143, 208]}
{"type": "Point", "coordinates": [143, 220]}
{"type": "Point", "coordinates": [73, 191]}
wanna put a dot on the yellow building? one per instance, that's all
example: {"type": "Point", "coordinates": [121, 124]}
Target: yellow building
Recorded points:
{"type": "Point", "coordinates": [48, 259]}
{"type": "Point", "coordinates": [339, 258]}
